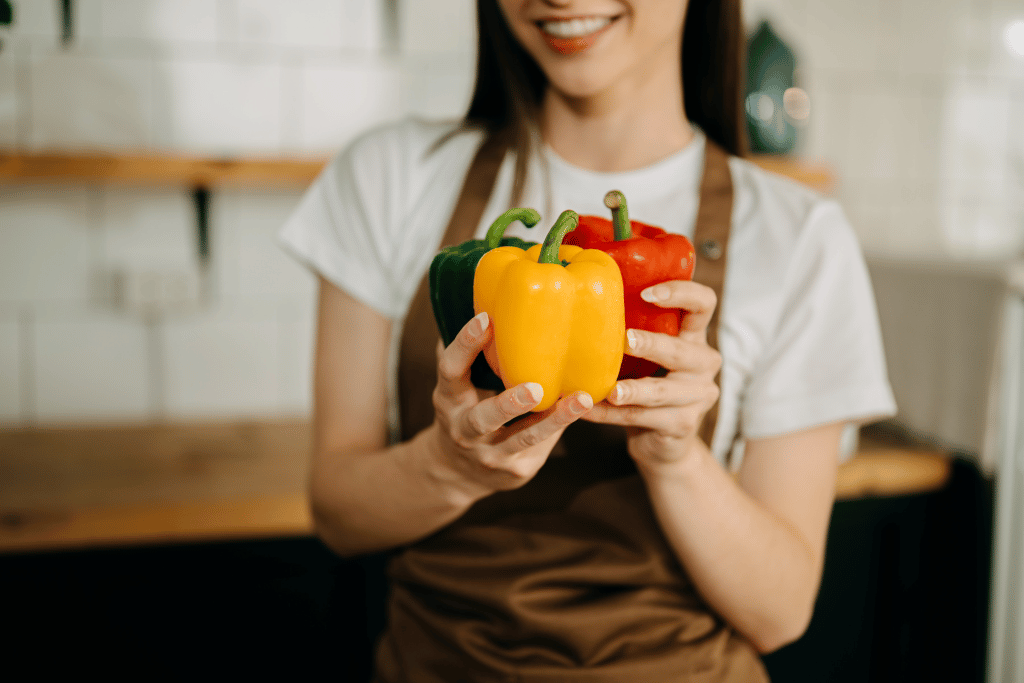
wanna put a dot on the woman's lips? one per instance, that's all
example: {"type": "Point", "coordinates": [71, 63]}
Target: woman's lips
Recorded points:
{"type": "Point", "coordinates": [574, 44]}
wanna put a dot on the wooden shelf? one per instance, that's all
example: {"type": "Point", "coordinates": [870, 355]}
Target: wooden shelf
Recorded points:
{"type": "Point", "coordinates": [155, 170]}
{"type": "Point", "coordinates": [148, 170]}
{"type": "Point", "coordinates": [813, 174]}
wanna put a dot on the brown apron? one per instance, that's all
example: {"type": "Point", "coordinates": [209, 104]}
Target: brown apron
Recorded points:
{"type": "Point", "coordinates": [568, 578]}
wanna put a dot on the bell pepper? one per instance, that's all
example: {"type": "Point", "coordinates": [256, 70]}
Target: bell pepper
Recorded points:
{"type": "Point", "coordinates": [558, 315]}
{"type": "Point", "coordinates": [646, 255]}
{"type": "Point", "coordinates": [451, 284]}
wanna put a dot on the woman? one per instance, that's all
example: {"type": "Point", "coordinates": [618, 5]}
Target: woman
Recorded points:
{"type": "Point", "coordinates": [606, 542]}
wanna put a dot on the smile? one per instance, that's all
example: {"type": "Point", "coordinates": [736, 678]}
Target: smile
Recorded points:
{"type": "Point", "coordinates": [572, 36]}
{"type": "Point", "coordinates": [574, 28]}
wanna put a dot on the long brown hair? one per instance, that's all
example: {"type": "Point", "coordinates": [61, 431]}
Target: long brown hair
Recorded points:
{"type": "Point", "coordinates": [509, 83]}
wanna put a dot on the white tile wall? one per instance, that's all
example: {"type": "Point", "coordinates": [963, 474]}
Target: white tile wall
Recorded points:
{"type": "Point", "coordinates": [976, 128]}
{"type": "Point", "coordinates": [1015, 142]}
{"type": "Point", "coordinates": [218, 106]}
{"type": "Point", "coordinates": [438, 85]}
{"type": "Point", "coordinates": [914, 218]}
{"type": "Point", "coordinates": [90, 365]}
{"type": "Point", "coordinates": [341, 100]}
{"type": "Point", "coordinates": [11, 384]}
{"type": "Point", "coordinates": [309, 24]}
{"type": "Point", "coordinates": [10, 101]}
{"type": "Point", "coordinates": [88, 22]}
{"type": "Point", "coordinates": [850, 36]}
{"type": "Point", "coordinates": [927, 32]}
{"type": "Point", "coordinates": [876, 121]}
{"type": "Point", "coordinates": [224, 362]}
{"type": "Point", "coordinates": [437, 26]}
{"type": "Point", "coordinates": [48, 242]}
{"type": "Point", "coordinates": [36, 24]}
{"type": "Point", "coordinates": [298, 331]}
{"type": "Point", "coordinates": [90, 102]}
{"type": "Point", "coordinates": [159, 21]}
{"type": "Point", "coordinates": [363, 24]}
{"type": "Point", "coordinates": [1005, 63]}
{"type": "Point", "coordinates": [250, 263]}
{"type": "Point", "coordinates": [921, 132]}
{"type": "Point", "coordinates": [869, 210]}
{"type": "Point", "coordinates": [971, 38]}
{"type": "Point", "coordinates": [148, 228]}
{"type": "Point", "coordinates": [830, 111]}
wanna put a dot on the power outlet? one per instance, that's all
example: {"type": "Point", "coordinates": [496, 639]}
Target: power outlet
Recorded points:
{"type": "Point", "coordinates": [160, 291]}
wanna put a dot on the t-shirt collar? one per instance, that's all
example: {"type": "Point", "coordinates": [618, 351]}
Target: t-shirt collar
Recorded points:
{"type": "Point", "coordinates": [680, 169]}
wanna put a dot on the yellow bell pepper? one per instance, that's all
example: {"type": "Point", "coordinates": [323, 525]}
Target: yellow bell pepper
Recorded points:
{"type": "Point", "coordinates": [558, 315]}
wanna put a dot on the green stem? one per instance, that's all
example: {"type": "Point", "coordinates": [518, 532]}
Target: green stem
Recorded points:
{"type": "Point", "coordinates": [566, 223]}
{"type": "Point", "coordinates": [529, 218]}
{"type": "Point", "coordinates": [616, 201]}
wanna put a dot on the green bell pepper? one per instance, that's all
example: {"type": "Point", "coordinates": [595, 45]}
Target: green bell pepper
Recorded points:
{"type": "Point", "coordinates": [451, 284]}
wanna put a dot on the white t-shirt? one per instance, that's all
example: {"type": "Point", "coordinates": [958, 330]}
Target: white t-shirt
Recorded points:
{"type": "Point", "coordinates": [798, 331]}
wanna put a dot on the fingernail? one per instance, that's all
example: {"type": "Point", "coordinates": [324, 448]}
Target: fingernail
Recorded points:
{"type": "Point", "coordinates": [531, 393]}
{"type": "Point", "coordinates": [631, 340]}
{"type": "Point", "coordinates": [616, 393]}
{"type": "Point", "coordinates": [656, 293]}
{"type": "Point", "coordinates": [582, 404]}
{"type": "Point", "coordinates": [481, 323]}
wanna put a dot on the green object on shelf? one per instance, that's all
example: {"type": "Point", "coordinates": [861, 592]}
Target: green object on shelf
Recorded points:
{"type": "Point", "coordinates": [774, 107]}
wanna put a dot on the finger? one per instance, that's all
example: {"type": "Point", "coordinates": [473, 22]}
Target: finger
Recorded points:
{"type": "Point", "coordinates": [529, 433]}
{"type": "Point", "coordinates": [673, 353]}
{"type": "Point", "coordinates": [668, 420]}
{"type": "Point", "coordinates": [489, 415]}
{"type": "Point", "coordinates": [454, 362]}
{"type": "Point", "coordinates": [697, 300]}
{"type": "Point", "coordinates": [658, 392]}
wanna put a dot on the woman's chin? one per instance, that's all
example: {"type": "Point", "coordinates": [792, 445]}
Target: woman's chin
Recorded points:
{"type": "Point", "coordinates": [584, 84]}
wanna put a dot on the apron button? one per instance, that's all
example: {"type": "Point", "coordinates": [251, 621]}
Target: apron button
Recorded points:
{"type": "Point", "coordinates": [711, 249]}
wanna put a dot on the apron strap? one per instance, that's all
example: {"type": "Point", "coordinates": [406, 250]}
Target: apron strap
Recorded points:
{"type": "Point", "coordinates": [711, 239]}
{"type": "Point", "coordinates": [417, 370]}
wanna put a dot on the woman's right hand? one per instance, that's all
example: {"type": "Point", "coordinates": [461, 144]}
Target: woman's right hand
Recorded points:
{"type": "Point", "coordinates": [473, 434]}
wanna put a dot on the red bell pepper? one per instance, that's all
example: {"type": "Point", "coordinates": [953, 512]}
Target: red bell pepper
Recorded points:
{"type": "Point", "coordinates": [646, 255]}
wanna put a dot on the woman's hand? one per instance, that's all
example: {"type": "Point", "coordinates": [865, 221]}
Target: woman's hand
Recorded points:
{"type": "Point", "coordinates": [473, 431]}
{"type": "Point", "coordinates": [663, 414]}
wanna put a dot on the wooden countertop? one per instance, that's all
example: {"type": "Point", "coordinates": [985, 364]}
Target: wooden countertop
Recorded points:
{"type": "Point", "coordinates": [77, 487]}
{"type": "Point", "coordinates": [106, 486]}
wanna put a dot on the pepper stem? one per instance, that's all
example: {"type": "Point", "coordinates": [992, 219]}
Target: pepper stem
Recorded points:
{"type": "Point", "coordinates": [529, 218]}
{"type": "Point", "coordinates": [566, 222]}
{"type": "Point", "coordinates": [616, 201]}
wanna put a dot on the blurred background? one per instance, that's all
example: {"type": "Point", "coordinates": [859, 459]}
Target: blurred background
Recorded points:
{"type": "Point", "coordinates": [155, 342]}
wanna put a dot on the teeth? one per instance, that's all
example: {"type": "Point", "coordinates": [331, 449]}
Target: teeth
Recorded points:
{"type": "Point", "coordinates": [575, 28]}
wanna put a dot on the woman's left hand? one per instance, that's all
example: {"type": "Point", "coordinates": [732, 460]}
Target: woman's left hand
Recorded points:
{"type": "Point", "coordinates": [663, 414]}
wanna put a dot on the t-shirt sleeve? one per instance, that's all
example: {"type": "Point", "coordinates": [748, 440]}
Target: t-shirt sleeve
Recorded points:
{"type": "Point", "coordinates": [825, 363]}
{"type": "Point", "coordinates": [343, 226]}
